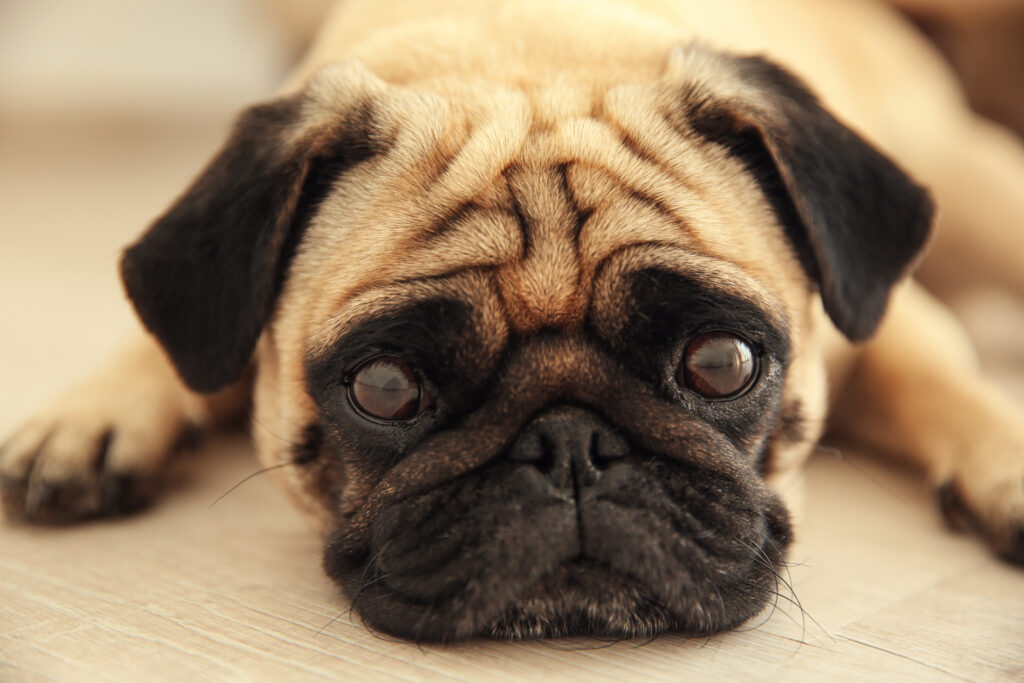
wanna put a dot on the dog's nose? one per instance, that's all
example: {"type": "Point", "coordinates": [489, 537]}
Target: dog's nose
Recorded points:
{"type": "Point", "coordinates": [569, 445]}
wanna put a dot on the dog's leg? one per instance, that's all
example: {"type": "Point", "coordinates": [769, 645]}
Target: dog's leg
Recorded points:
{"type": "Point", "coordinates": [917, 391]}
{"type": "Point", "coordinates": [978, 178]}
{"type": "Point", "coordinates": [99, 448]}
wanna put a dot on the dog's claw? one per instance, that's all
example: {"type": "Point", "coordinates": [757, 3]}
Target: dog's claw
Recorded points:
{"type": "Point", "coordinates": [1015, 552]}
{"type": "Point", "coordinates": [952, 507]}
{"type": "Point", "coordinates": [125, 494]}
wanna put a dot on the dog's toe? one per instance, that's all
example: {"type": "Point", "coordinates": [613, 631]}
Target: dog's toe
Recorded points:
{"type": "Point", "coordinates": [17, 460]}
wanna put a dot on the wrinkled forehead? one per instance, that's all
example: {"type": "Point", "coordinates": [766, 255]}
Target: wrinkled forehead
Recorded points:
{"type": "Point", "coordinates": [645, 282]}
{"type": "Point", "coordinates": [550, 192]}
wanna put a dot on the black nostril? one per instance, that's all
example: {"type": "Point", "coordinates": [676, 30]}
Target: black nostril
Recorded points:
{"type": "Point", "coordinates": [608, 444]}
{"type": "Point", "coordinates": [527, 448]}
{"type": "Point", "coordinates": [569, 446]}
{"type": "Point", "coordinates": [536, 448]}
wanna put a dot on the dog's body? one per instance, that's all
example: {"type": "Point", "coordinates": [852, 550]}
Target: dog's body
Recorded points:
{"type": "Point", "coordinates": [546, 302]}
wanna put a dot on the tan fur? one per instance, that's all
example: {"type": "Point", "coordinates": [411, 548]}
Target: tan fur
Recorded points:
{"type": "Point", "coordinates": [561, 114]}
{"type": "Point", "coordinates": [557, 165]}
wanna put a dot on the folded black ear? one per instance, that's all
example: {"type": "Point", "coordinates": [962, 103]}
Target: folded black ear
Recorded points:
{"type": "Point", "coordinates": [205, 276]}
{"type": "Point", "coordinates": [856, 220]}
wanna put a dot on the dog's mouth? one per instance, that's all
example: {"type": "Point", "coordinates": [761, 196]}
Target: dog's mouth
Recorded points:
{"type": "Point", "coordinates": [584, 597]}
{"type": "Point", "coordinates": [647, 547]}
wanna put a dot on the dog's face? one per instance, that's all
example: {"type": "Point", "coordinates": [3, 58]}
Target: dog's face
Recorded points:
{"type": "Point", "coordinates": [531, 355]}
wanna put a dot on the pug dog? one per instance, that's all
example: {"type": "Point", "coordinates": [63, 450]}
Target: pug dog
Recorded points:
{"type": "Point", "coordinates": [542, 304]}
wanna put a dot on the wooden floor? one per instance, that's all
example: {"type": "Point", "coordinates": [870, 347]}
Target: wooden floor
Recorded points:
{"type": "Point", "coordinates": [193, 590]}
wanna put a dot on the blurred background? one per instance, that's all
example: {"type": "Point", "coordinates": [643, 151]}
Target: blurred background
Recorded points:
{"type": "Point", "coordinates": [123, 57]}
{"type": "Point", "coordinates": [984, 42]}
{"type": "Point", "coordinates": [109, 107]}
{"type": "Point", "coordinates": [177, 57]}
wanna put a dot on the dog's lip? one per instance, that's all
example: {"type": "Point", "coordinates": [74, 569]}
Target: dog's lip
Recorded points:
{"type": "Point", "coordinates": [574, 573]}
{"type": "Point", "coordinates": [610, 588]}
{"type": "Point", "coordinates": [573, 600]}
{"type": "Point", "coordinates": [589, 513]}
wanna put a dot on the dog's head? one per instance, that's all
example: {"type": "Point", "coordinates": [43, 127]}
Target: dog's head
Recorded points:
{"type": "Point", "coordinates": [530, 355]}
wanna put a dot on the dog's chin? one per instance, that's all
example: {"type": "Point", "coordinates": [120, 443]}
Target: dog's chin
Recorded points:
{"type": "Point", "coordinates": [585, 598]}
{"type": "Point", "coordinates": [638, 553]}
{"type": "Point", "coordinates": [582, 597]}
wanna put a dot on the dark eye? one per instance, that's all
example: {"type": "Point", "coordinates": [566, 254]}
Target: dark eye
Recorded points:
{"type": "Point", "coordinates": [718, 365]}
{"type": "Point", "coordinates": [387, 388]}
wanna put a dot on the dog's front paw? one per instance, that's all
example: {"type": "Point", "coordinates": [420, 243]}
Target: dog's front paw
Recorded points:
{"type": "Point", "coordinates": [989, 498]}
{"type": "Point", "coordinates": [99, 450]}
